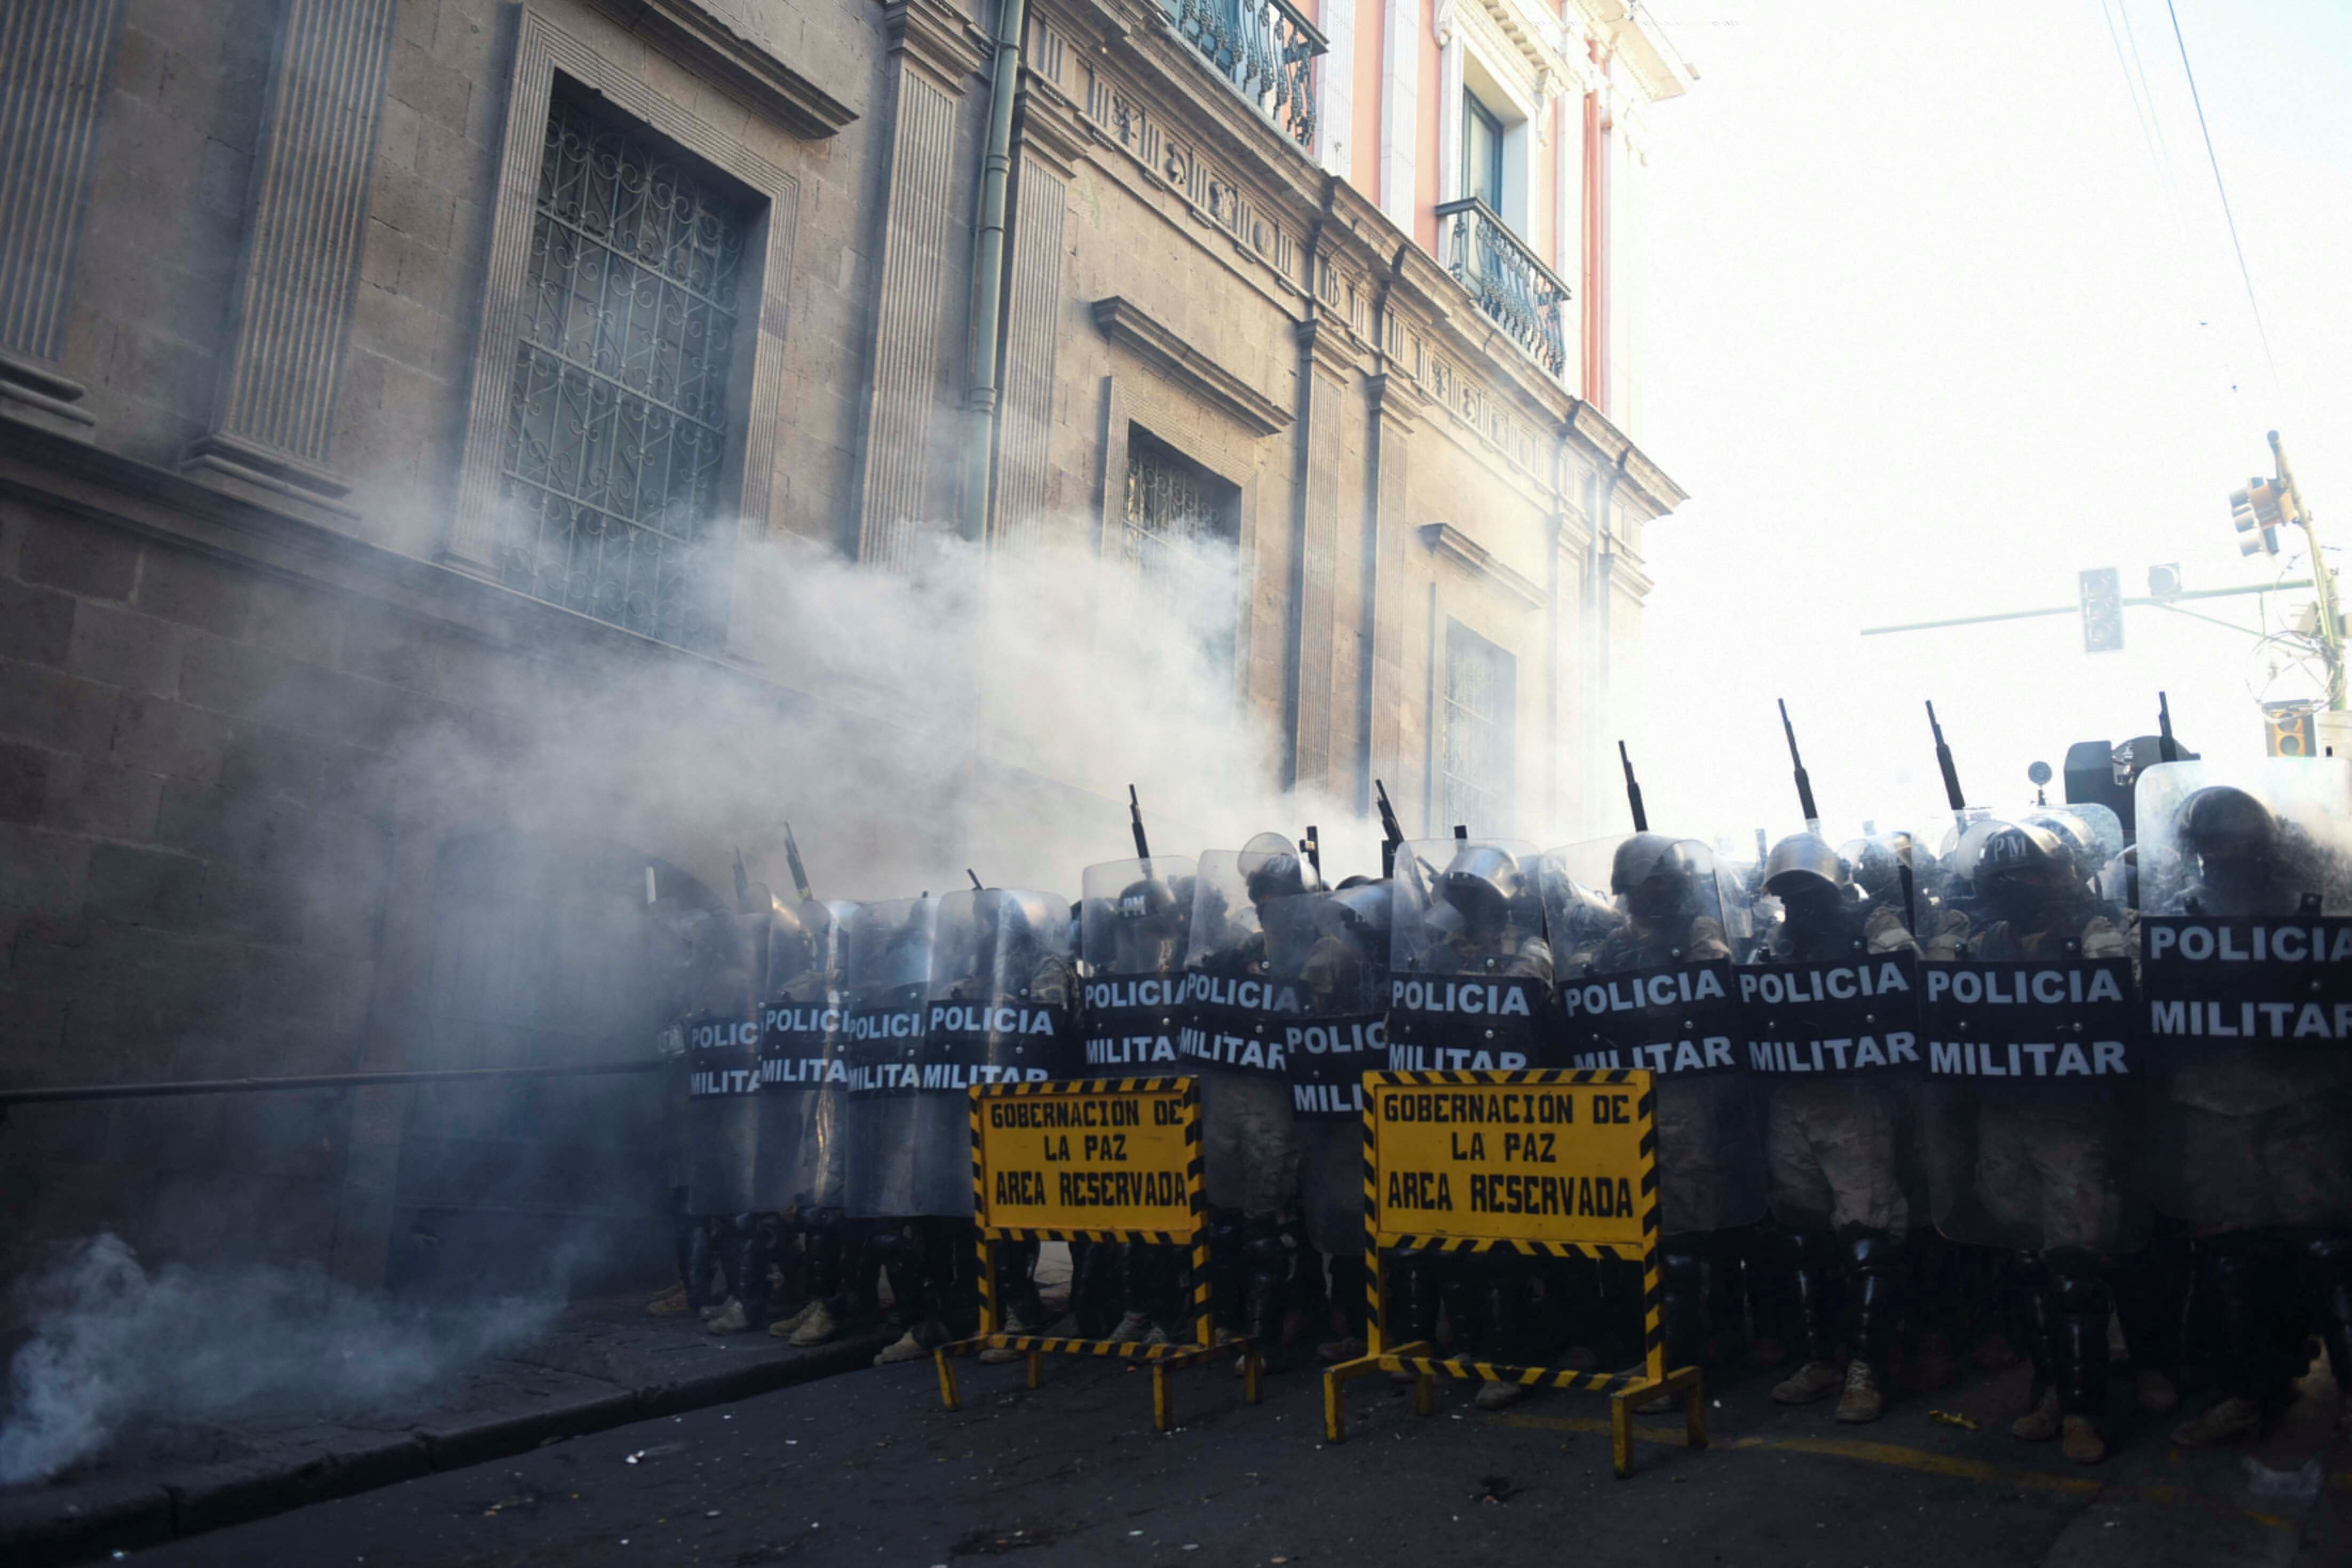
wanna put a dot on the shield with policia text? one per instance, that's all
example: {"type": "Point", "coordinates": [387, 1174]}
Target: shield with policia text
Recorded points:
{"type": "Point", "coordinates": [1470, 975]}
{"type": "Point", "coordinates": [2036, 1077]}
{"type": "Point", "coordinates": [907, 1156]}
{"type": "Point", "coordinates": [2245, 882]}
{"type": "Point", "coordinates": [1334, 948]}
{"type": "Point", "coordinates": [722, 1062]}
{"type": "Point", "coordinates": [1237, 1008]}
{"type": "Point", "coordinates": [1000, 1000]}
{"type": "Point", "coordinates": [804, 1059]}
{"type": "Point", "coordinates": [1653, 987]}
{"type": "Point", "coordinates": [1133, 921]}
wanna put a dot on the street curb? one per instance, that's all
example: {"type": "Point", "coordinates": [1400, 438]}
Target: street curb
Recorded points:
{"type": "Point", "coordinates": [42, 1527]}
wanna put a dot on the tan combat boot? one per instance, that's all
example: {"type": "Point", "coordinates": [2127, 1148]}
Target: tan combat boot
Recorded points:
{"type": "Point", "coordinates": [1862, 1400]}
{"type": "Point", "coordinates": [2081, 1441]}
{"type": "Point", "coordinates": [1813, 1381]}
{"type": "Point", "coordinates": [2234, 1420]}
{"type": "Point", "coordinates": [2155, 1392]}
{"type": "Point", "coordinates": [2039, 1424]}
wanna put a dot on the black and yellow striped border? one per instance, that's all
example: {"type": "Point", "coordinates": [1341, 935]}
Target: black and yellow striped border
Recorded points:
{"type": "Point", "coordinates": [1625, 1388]}
{"type": "Point", "coordinates": [1034, 1348]}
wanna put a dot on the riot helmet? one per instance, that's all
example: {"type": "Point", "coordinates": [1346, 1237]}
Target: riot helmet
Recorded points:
{"type": "Point", "coordinates": [2022, 872]}
{"type": "Point", "coordinates": [1271, 869]}
{"type": "Point", "coordinates": [1484, 886]}
{"type": "Point", "coordinates": [1367, 914]}
{"type": "Point", "coordinates": [1811, 879]}
{"type": "Point", "coordinates": [2234, 840]}
{"type": "Point", "coordinates": [1654, 874]}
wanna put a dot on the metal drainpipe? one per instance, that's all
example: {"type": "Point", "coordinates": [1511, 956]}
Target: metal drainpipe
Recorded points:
{"type": "Point", "coordinates": [988, 271]}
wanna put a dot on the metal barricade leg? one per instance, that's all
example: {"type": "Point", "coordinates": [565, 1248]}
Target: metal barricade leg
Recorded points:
{"type": "Point", "coordinates": [946, 1364]}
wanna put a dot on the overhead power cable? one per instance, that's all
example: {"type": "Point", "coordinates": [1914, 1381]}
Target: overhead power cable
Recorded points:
{"type": "Point", "coordinates": [2229, 217]}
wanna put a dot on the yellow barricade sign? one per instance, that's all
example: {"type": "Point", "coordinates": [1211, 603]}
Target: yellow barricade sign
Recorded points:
{"type": "Point", "coordinates": [1545, 1164]}
{"type": "Point", "coordinates": [1087, 1156]}
{"type": "Point", "coordinates": [1095, 1160]}
{"type": "Point", "coordinates": [1517, 1158]}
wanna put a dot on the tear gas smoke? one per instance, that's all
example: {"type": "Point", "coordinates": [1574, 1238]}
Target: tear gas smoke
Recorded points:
{"type": "Point", "coordinates": [113, 1343]}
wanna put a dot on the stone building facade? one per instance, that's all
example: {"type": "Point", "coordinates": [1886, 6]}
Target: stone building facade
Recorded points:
{"type": "Point", "coordinates": [371, 369]}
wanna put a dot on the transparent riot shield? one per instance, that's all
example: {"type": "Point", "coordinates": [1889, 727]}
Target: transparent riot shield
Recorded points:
{"type": "Point", "coordinates": [1235, 1009]}
{"type": "Point", "coordinates": [1134, 920]}
{"type": "Point", "coordinates": [1830, 1025]}
{"type": "Point", "coordinates": [900, 1162]}
{"type": "Point", "coordinates": [804, 1058]}
{"type": "Point", "coordinates": [722, 1056]}
{"type": "Point", "coordinates": [2035, 1083]}
{"type": "Point", "coordinates": [1653, 988]}
{"type": "Point", "coordinates": [2245, 935]}
{"type": "Point", "coordinates": [1470, 975]}
{"type": "Point", "coordinates": [1000, 1006]}
{"type": "Point", "coordinates": [1333, 948]}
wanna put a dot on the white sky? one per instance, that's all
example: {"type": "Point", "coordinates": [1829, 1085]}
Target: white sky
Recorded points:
{"type": "Point", "coordinates": [1931, 327]}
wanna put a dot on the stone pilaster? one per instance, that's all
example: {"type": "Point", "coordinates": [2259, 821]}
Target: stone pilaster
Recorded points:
{"type": "Point", "coordinates": [1396, 405]}
{"type": "Point", "coordinates": [1046, 152]}
{"type": "Point", "coordinates": [55, 60]}
{"type": "Point", "coordinates": [934, 50]}
{"type": "Point", "coordinates": [1324, 364]}
{"type": "Point", "coordinates": [306, 215]}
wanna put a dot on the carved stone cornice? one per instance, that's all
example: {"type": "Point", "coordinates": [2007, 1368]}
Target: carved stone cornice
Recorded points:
{"type": "Point", "coordinates": [938, 37]}
{"type": "Point", "coordinates": [1397, 400]}
{"type": "Point", "coordinates": [1050, 128]}
{"type": "Point", "coordinates": [744, 67]}
{"type": "Point", "coordinates": [1329, 344]}
{"type": "Point", "coordinates": [1128, 325]}
{"type": "Point", "coordinates": [1444, 538]}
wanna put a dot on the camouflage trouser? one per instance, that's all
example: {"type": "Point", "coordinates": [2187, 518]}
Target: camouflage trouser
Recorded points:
{"type": "Point", "coordinates": [1249, 1142]}
{"type": "Point", "coordinates": [1710, 1171]}
{"type": "Point", "coordinates": [2045, 1170]}
{"type": "Point", "coordinates": [1331, 1185]}
{"type": "Point", "coordinates": [2289, 1168]}
{"type": "Point", "coordinates": [1834, 1146]}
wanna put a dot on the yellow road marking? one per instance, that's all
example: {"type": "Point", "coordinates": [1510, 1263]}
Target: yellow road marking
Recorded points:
{"type": "Point", "coordinates": [1920, 1459]}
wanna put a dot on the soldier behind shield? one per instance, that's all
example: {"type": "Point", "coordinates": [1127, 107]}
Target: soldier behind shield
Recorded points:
{"type": "Point", "coordinates": [1834, 1143]}
{"type": "Point", "coordinates": [1249, 1135]}
{"type": "Point", "coordinates": [2257, 1132]}
{"type": "Point", "coordinates": [803, 1170]}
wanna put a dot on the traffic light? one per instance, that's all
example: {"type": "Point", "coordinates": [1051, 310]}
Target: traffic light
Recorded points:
{"type": "Point", "coordinates": [2286, 730]}
{"type": "Point", "coordinates": [2164, 582]}
{"type": "Point", "coordinates": [2103, 610]}
{"type": "Point", "coordinates": [2259, 512]}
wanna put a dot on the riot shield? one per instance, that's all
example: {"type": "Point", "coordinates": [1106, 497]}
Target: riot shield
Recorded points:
{"type": "Point", "coordinates": [1470, 975]}
{"type": "Point", "coordinates": [1000, 1004]}
{"type": "Point", "coordinates": [902, 1162]}
{"type": "Point", "coordinates": [2245, 881]}
{"type": "Point", "coordinates": [804, 1058]}
{"type": "Point", "coordinates": [722, 1055]}
{"type": "Point", "coordinates": [1334, 949]}
{"type": "Point", "coordinates": [1830, 1025]}
{"type": "Point", "coordinates": [1654, 989]}
{"type": "Point", "coordinates": [1235, 1011]}
{"type": "Point", "coordinates": [2035, 1075]}
{"type": "Point", "coordinates": [1134, 918]}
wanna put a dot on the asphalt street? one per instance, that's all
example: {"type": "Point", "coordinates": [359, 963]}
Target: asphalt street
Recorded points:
{"type": "Point", "coordinates": [867, 1468]}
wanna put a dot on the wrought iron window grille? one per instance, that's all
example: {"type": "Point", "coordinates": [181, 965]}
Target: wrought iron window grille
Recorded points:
{"type": "Point", "coordinates": [1516, 291]}
{"type": "Point", "coordinates": [1266, 49]}
{"type": "Point", "coordinates": [616, 436]}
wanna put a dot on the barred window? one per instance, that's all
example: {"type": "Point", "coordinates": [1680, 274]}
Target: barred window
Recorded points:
{"type": "Point", "coordinates": [1172, 503]}
{"type": "Point", "coordinates": [617, 435]}
{"type": "Point", "coordinates": [1478, 780]}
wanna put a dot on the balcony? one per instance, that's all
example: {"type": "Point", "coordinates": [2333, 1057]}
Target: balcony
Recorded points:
{"type": "Point", "coordinates": [1519, 293]}
{"type": "Point", "coordinates": [1265, 49]}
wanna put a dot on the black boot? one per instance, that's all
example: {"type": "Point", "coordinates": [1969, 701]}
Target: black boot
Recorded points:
{"type": "Point", "coordinates": [2081, 1306]}
{"type": "Point", "coordinates": [823, 1251]}
{"type": "Point", "coordinates": [1875, 1262]}
{"type": "Point", "coordinates": [1410, 1298]}
{"type": "Point", "coordinates": [2151, 1292]}
{"type": "Point", "coordinates": [1812, 1312]}
{"type": "Point", "coordinates": [2328, 1276]}
{"type": "Point", "coordinates": [2027, 1297]}
{"type": "Point", "coordinates": [1266, 1294]}
{"type": "Point", "coordinates": [1348, 1278]}
{"type": "Point", "coordinates": [1461, 1292]}
{"type": "Point", "coordinates": [1682, 1300]}
{"type": "Point", "coordinates": [1016, 1270]}
{"type": "Point", "coordinates": [1728, 1338]}
{"type": "Point", "coordinates": [1225, 1268]}
{"type": "Point", "coordinates": [699, 1258]}
{"type": "Point", "coordinates": [2240, 1278]}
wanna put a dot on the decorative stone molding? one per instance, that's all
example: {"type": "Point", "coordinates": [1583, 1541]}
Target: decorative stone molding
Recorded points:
{"type": "Point", "coordinates": [743, 67]}
{"type": "Point", "coordinates": [1444, 538]}
{"type": "Point", "coordinates": [55, 56]}
{"type": "Point", "coordinates": [306, 211]}
{"type": "Point", "coordinates": [937, 37]}
{"type": "Point", "coordinates": [1131, 327]}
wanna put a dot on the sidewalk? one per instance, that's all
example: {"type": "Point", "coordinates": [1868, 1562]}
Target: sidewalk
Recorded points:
{"type": "Point", "coordinates": [605, 1363]}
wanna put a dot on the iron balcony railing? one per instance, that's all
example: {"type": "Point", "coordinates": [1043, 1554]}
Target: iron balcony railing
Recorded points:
{"type": "Point", "coordinates": [1265, 49]}
{"type": "Point", "coordinates": [1522, 295]}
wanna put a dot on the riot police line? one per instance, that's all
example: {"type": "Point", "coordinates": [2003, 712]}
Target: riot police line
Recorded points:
{"type": "Point", "coordinates": [1969, 1092]}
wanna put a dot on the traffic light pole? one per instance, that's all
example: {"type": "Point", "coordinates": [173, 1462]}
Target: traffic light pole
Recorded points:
{"type": "Point", "coordinates": [2331, 627]}
{"type": "Point", "coordinates": [2128, 602]}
